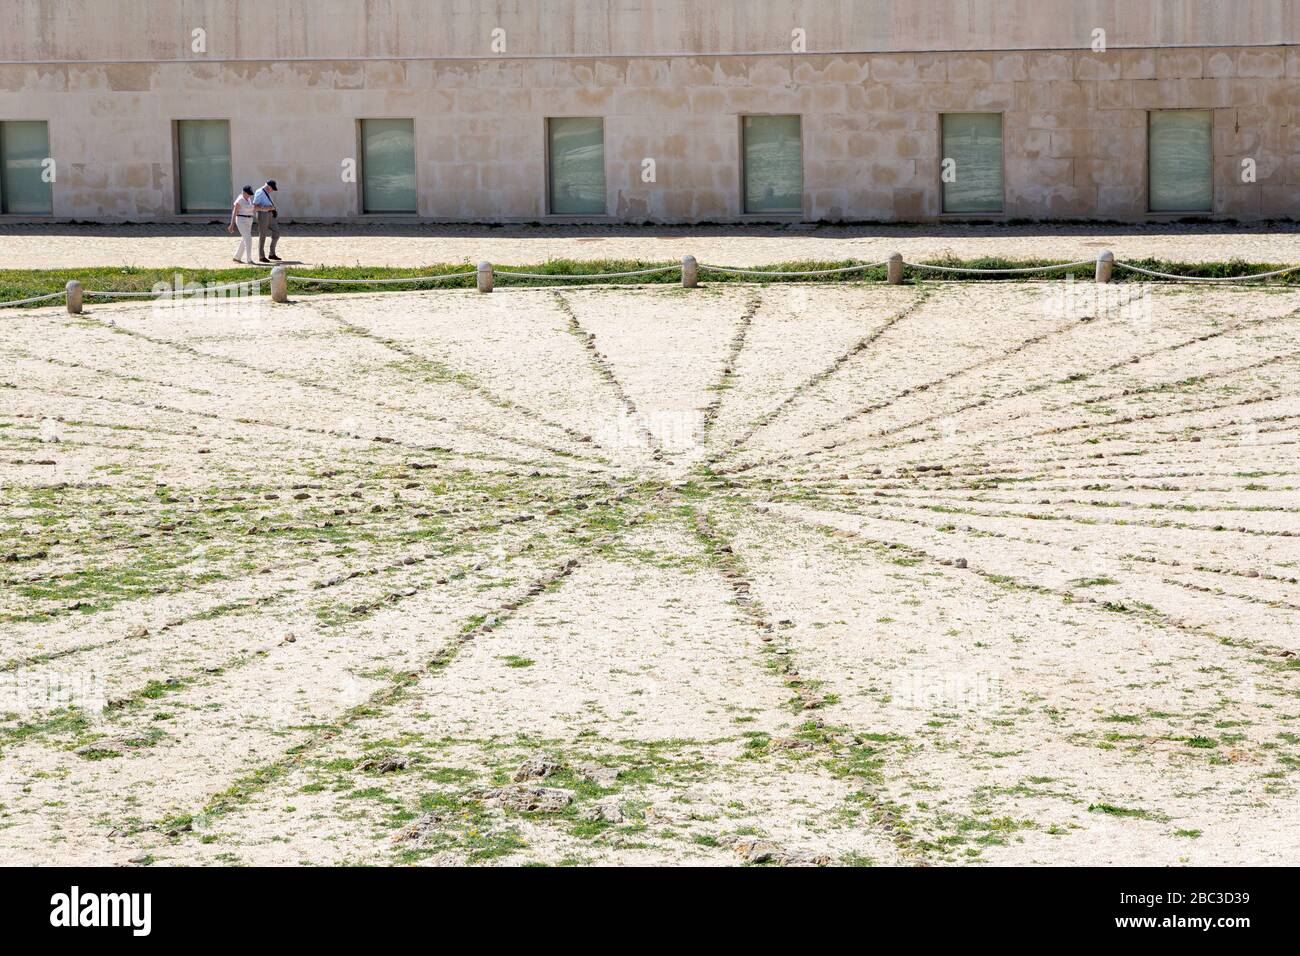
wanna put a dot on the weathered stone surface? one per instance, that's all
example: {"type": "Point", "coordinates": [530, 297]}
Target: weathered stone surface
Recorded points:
{"type": "Point", "coordinates": [759, 851]}
{"type": "Point", "coordinates": [666, 92]}
{"type": "Point", "coordinates": [537, 767]}
{"type": "Point", "coordinates": [604, 811]}
{"type": "Point", "coordinates": [529, 799]}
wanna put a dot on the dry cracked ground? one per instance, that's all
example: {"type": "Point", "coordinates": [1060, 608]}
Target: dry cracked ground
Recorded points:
{"type": "Point", "coordinates": [777, 575]}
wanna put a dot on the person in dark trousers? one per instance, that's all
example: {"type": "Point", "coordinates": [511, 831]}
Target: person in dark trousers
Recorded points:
{"type": "Point", "coordinates": [266, 221]}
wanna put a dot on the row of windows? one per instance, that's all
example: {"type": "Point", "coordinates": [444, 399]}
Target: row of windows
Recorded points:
{"type": "Point", "coordinates": [1180, 165]}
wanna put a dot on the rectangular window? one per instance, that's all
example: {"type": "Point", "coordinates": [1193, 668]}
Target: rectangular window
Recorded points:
{"type": "Point", "coordinates": [577, 160]}
{"type": "Point", "coordinates": [388, 166]}
{"type": "Point", "coordinates": [1180, 161]}
{"type": "Point", "coordinates": [24, 148]}
{"type": "Point", "coordinates": [203, 165]}
{"type": "Point", "coordinates": [773, 162]}
{"type": "Point", "coordinates": [971, 165]}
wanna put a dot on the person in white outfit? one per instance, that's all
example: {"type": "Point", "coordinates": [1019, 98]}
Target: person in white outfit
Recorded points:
{"type": "Point", "coordinates": [241, 218]}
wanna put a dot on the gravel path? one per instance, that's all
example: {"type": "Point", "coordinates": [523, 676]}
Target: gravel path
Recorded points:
{"type": "Point", "coordinates": [209, 247]}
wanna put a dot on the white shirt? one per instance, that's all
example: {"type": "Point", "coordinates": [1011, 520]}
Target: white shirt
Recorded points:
{"type": "Point", "coordinates": [244, 206]}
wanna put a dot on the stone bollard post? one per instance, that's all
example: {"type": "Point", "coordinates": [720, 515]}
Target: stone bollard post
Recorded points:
{"type": "Point", "coordinates": [74, 297]}
{"type": "Point", "coordinates": [896, 269]}
{"type": "Point", "coordinates": [279, 284]}
{"type": "Point", "coordinates": [690, 272]}
{"type": "Point", "coordinates": [486, 277]}
{"type": "Point", "coordinates": [1105, 266]}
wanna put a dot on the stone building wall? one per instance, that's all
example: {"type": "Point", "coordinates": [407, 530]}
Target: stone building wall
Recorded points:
{"type": "Point", "coordinates": [1075, 122]}
{"type": "Point", "coordinates": [82, 30]}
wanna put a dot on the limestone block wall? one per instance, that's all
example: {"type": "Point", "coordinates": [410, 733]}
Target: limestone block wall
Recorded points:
{"type": "Point", "coordinates": [295, 78]}
{"type": "Point", "coordinates": [84, 30]}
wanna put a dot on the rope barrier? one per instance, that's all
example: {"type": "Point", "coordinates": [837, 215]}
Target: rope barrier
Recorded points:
{"type": "Point", "coordinates": [1002, 272]}
{"type": "Point", "coordinates": [177, 293]}
{"type": "Point", "coordinates": [122, 295]}
{"type": "Point", "coordinates": [39, 298]}
{"type": "Point", "coordinates": [592, 276]}
{"type": "Point", "coordinates": [817, 272]}
{"type": "Point", "coordinates": [255, 284]}
{"type": "Point", "coordinates": [1166, 275]}
{"type": "Point", "coordinates": [412, 279]}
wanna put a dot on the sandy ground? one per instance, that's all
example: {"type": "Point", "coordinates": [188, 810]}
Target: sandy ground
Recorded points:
{"type": "Point", "coordinates": [948, 575]}
{"type": "Point", "coordinates": [193, 247]}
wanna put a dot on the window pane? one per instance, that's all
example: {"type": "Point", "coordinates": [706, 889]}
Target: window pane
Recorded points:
{"type": "Point", "coordinates": [24, 147]}
{"type": "Point", "coordinates": [204, 165]}
{"type": "Point", "coordinates": [388, 165]}
{"type": "Point", "coordinates": [577, 166]}
{"type": "Point", "coordinates": [1181, 161]}
{"type": "Point", "coordinates": [773, 164]}
{"type": "Point", "coordinates": [973, 144]}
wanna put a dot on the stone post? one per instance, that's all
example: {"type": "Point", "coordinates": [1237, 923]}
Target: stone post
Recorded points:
{"type": "Point", "coordinates": [485, 277]}
{"type": "Point", "coordinates": [896, 269]}
{"type": "Point", "coordinates": [1105, 266]}
{"type": "Point", "coordinates": [690, 272]}
{"type": "Point", "coordinates": [74, 297]}
{"type": "Point", "coordinates": [279, 284]}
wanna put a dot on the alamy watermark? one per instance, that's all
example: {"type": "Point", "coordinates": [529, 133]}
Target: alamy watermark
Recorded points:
{"type": "Point", "coordinates": [1128, 302]}
{"type": "Point", "coordinates": [955, 691]}
{"type": "Point", "coordinates": [238, 302]}
{"type": "Point", "coordinates": [49, 691]}
{"type": "Point", "coordinates": [676, 432]}
{"type": "Point", "coordinates": [130, 910]}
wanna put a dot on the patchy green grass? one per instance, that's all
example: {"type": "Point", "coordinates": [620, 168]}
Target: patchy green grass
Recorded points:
{"type": "Point", "coordinates": [1111, 810]}
{"type": "Point", "coordinates": [24, 283]}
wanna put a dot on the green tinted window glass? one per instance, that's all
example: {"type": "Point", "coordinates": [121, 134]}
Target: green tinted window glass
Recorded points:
{"type": "Point", "coordinates": [577, 152]}
{"type": "Point", "coordinates": [204, 147]}
{"type": "Point", "coordinates": [773, 164]}
{"type": "Point", "coordinates": [388, 165]}
{"type": "Point", "coordinates": [1181, 161]}
{"type": "Point", "coordinates": [972, 162]}
{"type": "Point", "coordinates": [24, 147]}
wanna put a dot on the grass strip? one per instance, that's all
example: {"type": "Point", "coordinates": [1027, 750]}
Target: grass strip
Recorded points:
{"type": "Point", "coordinates": [24, 283]}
